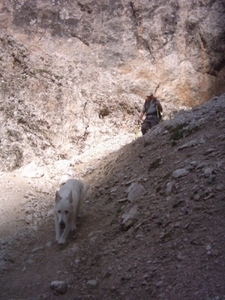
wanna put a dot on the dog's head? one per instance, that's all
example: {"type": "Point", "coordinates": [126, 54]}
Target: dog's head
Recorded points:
{"type": "Point", "coordinates": [63, 208]}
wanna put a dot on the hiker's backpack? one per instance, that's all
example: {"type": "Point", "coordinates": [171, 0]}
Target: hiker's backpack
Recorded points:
{"type": "Point", "coordinates": [154, 109]}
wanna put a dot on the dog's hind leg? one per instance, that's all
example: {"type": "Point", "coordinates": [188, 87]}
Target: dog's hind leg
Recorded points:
{"type": "Point", "coordinates": [83, 193]}
{"type": "Point", "coordinates": [73, 225]}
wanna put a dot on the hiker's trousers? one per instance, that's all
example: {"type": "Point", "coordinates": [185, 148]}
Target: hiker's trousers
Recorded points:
{"type": "Point", "coordinates": [149, 122]}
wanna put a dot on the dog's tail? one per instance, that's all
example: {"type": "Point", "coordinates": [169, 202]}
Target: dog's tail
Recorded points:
{"type": "Point", "coordinates": [84, 191]}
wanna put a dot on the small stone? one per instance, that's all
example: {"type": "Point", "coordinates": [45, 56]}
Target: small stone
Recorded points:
{"type": "Point", "coordinates": [209, 151]}
{"type": "Point", "coordinates": [28, 219]}
{"type": "Point", "coordinates": [135, 191]}
{"type": "Point", "coordinates": [92, 282]}
{"type": "Point", "coordinates": [196, 197]}
{"type": "Point", "coordinates": [37, 249]}
{"type": "Point", "coordinates": [193, 163]}
{"type": "Point", "coordinates": [219, 187]}
{"type": "Point", "coordinates": [208, 172]}
{"type": "Point", "coordinates": [128, 219]}
{"type": "Point", "coordinates": [159, 283]}
{"type": "Point", "coordinates": [193, 143]}
{"type": "Point", "coordinates": [177, 224]}
{"type": "Point", "coordinates": [208, 247]}
{"type": "Point", "coordinates": [180, 257]}
{"type": "Point", "coordinates": [169, 187]}
{"type": "Point", "coordinates": [180, 173]}
{"type": "Point", "coordinates": [77, 261]}
{"type": "Point", "coordinates": [30, 261]}
{"type": "Point", "coordinates": [59, 286]}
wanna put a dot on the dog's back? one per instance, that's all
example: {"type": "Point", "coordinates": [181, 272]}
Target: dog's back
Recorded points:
{"type": "Point", "coordinates": [76, 186]}
{"type": "Point", "coordinates": [73, 185]}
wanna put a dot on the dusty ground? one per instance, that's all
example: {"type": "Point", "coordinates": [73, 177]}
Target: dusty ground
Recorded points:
{"type": "Point", "coordinates": [174, 247]}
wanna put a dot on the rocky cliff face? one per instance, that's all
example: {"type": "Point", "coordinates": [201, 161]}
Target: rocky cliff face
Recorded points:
{"type": "Point", "coordinates": [75, 72]}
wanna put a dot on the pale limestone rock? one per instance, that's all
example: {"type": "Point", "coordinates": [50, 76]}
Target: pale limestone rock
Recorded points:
{"type": "Point", "coordinates": [135, 191]}
{"type": "Point", "coordinates": [180, 173]}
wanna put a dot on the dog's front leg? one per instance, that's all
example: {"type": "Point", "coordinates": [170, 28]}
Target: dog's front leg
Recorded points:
{"type": "Point", "coordinates": [57, 228]}
{"type": "Point", "coordinates": [63, 237]}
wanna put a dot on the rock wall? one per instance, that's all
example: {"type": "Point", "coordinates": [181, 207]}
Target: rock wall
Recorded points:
{"type": "Point", "coordinates": [174, 47]}
{"type": "Point", "coordinates": [73, 73]}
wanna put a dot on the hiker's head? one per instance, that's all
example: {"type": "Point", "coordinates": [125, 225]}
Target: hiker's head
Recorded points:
{"type": "Point", "coordinates": [149, 96]}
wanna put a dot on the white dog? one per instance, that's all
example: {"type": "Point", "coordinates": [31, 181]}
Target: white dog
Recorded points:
{"type": "Point", "coordinates": [67, 207]}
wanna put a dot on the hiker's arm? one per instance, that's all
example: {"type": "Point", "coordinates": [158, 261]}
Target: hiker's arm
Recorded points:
{"type": "Point", "coordinates": [141, 116]}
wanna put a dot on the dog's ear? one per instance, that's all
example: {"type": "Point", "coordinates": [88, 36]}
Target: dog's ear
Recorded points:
{"type": "Point", "coordinates": [71, 197]}
{"type": "Point", "coordinates": [57, 197]}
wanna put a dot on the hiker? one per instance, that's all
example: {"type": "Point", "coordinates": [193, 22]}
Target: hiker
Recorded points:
{"type": "Point", "coordinates": [152, 110]}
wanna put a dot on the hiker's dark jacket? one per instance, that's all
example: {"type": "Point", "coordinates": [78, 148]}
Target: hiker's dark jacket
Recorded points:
{"type": "Point", "coordinates": [152, 108]}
